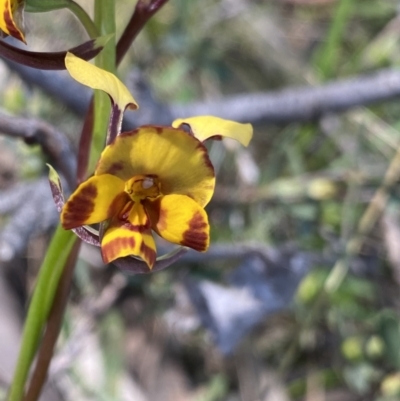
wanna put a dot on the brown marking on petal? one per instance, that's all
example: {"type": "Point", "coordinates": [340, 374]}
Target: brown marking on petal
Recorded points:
{"type": "Point", "coordinates": [8, 19]}
{"type": "Point", "coordinates": [156, 215]}
{"type": "Point", "coordinates": [118, 204]}
{"type": "Point", "coordinates": [128, 242]}
{"type": "Point", "coordinates": [128, 133]}
{"type": "Point", "coordinates": [215, 138]}
{"type": "Point", "coordinates": [148, 254]}
{"type": "Point", "coordinates": [131, 227]}
{"type": "Point", "coordinates": [185, 127]}
{"type": "Point", "coordinates": [159, 130]}
{"type": "Point", "coordinates": [115, 168]}
{"type": "Point", "coordinates": [196, 236]}
{"type": "Point", "coordinates": [111, 250]}
{"type": "Point", "coordinates": [162, 219]}
{"type": "Point", "coordinates": [206, 158]}
{"type": "Point", "coordinates": [78, 209]}
{"type": "Point", "coordinates": [137, 229]}
{"type": "Point", "coordinates": [124, 212]}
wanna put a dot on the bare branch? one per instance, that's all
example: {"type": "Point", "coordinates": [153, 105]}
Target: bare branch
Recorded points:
{"type": "Point", "coordinates": [34, 217]}
{"type": "Point", "coordinates": [299, 104]}
{"type": "Point", "coordinates": [56, 84]}
{"type": "Point", "coordinates": [53, 142]}
{"type": "Point", "coordinates": [303, 103]}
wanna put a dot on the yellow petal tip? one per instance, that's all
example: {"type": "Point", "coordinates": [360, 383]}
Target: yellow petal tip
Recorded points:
{"type": "Point", "coordinates": [96, 78]}
{"type": "Point", "coordinates": [205, 127]}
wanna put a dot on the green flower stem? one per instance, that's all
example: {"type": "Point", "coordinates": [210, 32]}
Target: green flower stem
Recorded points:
{"type": "Point", "coordinates": [41, 303]}
{"type": "Point", "coordinates": [84, 19]}
{"type": "Point", "coordinates": [53, 326]}
{"type": "Point", "coordinates": [104, 17]}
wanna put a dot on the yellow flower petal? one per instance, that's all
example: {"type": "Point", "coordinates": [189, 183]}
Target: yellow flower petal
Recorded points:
{"type": "Point", "coordinates": [95, 200]}
{"type": "Point", "coordinates": [179, 219]}
{"type": "Point", "coordinates": [96, 78]}
{"type": "Point", "coordinates": [11, 18]}
{"type": "Point", "coordinates": [205, 127]}
{"type": "Point", "coordinates": [179, 161]}
{"type": "Point", "coordinates": [130, 237]}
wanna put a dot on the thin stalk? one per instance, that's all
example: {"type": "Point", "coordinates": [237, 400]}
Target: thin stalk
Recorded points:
{"type": "Point", "coordinates": [144, 10]}
{"type": "Point", "coordinates": [53, 327]}
{"type": "Point", "coordinates": [104, 17]}
{"type": "Point", "coordinates": [84, 143]}
{"type": "Point", "coordinates": [142, 13]}
{"type": "Point", "coordinates": [84, 19]}
{"type": "Point", "coordinates": [42, 300]}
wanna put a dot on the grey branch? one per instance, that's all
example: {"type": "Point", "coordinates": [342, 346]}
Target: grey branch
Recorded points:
{"type": "Point", "coordinates": [297, 104]}
{"type": "Point", "coordinates": [303, 103]}
{"type": "Point", "coordinates": [56, 84]}
{"type": "Point", "coordinates": [54, 144]}
{"type": "Point", "coordinates": [39, 214]}
{"type": "Point", "coordinates": [34, 217]}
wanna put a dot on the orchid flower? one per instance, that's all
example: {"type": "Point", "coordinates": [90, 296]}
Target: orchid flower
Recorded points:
{"type": "Point", "coordinates": [154, 179]}
{"type": "Point", "coordinates": [11, 18]}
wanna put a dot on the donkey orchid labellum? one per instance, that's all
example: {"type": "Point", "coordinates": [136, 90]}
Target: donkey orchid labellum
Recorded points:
{"type": "Point", "coordinates": [11, 18]}
{"type": "Point", "coordinates": [153, 179]}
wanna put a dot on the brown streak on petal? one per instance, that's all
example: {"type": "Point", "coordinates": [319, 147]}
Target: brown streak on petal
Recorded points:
{"type": "Point", "coordinates": [13, 31]}
{"type": "Point", "coordinates": [128, 242]}
{"type": "Point", "coordinates": [206, 158]}
{"type": "Point", "coordinates": [137, 229]}
{"type": "Point", "coordinates": [115, 168]}
{"type": "Point", "coordinates": [215, 138]}
{"type": "Point", "coordinates": [148, 254]}
{"type": "Point", "coordinates": [108, 252]}
{"type": "Point", "coordinates": [196, 236]}
{"type": "Point", "coordinates": [117, 204]}
{"type": "Point", "coordinates": [129, 133]}
{"type": "Point", "coordinates": [162, 219]}
{"type": "Point", "coordinates": [77, 210]}
{"type": "Point", "coordinates": [156, 215]}
{"type": "Point", "coordinates": [111, 250]}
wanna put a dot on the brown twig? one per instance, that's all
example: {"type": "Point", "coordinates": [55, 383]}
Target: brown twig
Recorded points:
{"type": "Point", "coordinates": [84, 144]}
{"type": "Point", "coordinates": [48, 60]}
{"type": "Point", "coordinates": [144, 10]}
{"type": "Point", "coordinates": [52, 330]}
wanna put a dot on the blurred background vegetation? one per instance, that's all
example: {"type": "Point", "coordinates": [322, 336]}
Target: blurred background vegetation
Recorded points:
{"type": "Point", "coordinates": [297, 194]}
